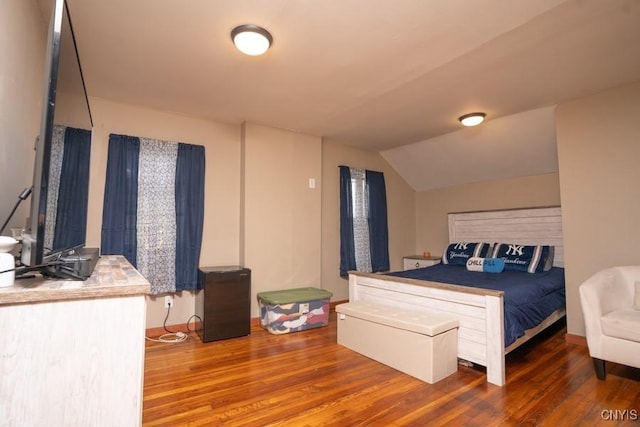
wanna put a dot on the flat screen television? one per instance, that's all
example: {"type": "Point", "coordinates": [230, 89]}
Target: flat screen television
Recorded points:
{"type": "Point", "coordinates": [56, 230]}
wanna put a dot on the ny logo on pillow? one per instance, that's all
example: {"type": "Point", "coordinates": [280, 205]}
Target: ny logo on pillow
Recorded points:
{"type": "Point", "coordinates": [458, 253]}
{"type": "Point", "coordinates": [517, 250]}
{"type": "Point", "coordinates": [529, 258]}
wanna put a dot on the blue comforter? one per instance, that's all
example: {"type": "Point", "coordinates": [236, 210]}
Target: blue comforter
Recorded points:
{"type": "Point", "coordinates": [528, 298]}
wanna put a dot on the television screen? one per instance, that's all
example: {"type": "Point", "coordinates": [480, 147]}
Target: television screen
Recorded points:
{"type": "Point", "coordinates": [61, 171]}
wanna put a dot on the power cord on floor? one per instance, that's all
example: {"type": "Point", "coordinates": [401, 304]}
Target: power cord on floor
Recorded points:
{"type": "Point", "coordinates": [169, 337]}
{"type": "Point", "coordinates": [173, 337]}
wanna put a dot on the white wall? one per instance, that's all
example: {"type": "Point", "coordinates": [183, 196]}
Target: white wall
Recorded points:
{"type": "Point", "coordinates": [22, 51]}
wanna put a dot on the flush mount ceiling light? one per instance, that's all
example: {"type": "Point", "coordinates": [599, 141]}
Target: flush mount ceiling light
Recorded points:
{"type": "Point", "coordinates": [472, 119]}
{"type": "Point", "coordinates": [251, 39]}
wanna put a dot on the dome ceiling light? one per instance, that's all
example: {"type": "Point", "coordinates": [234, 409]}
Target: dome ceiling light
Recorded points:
{"type": "Point", "coordinates": [472, 119]}
{"type": "Point", "coordinates": [251, 39]}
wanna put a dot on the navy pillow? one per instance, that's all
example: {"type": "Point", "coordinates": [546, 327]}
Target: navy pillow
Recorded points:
{"type": "Point", "coordinates": [458, 253]}
{"type": "Point", "coordinates": [529, 258]}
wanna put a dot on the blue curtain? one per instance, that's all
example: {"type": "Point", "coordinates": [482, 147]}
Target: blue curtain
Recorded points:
{"type": "Point", "coordinates": [190, 168]}
{"type": "Point", "coordinates": [347, 246]}
{"type": "Point", "coordinates": [378, 230]}
{"type": "Point", "coordinates": [73, 196]}
{"type": "Point", "coordinates": [119, 212]}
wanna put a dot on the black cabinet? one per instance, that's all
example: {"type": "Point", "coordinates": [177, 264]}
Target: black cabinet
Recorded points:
{"type": "Point", "coordinates": [224, 303]}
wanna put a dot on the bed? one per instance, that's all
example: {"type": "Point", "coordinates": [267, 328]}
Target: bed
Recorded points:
{"type": "Point", "coordinates": [482, 304]}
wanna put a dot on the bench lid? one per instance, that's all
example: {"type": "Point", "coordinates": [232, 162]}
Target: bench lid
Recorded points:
{"type": "Point", "coordinates": [288, 296]}
{"type": "Point", "coordinates": [429, 323]}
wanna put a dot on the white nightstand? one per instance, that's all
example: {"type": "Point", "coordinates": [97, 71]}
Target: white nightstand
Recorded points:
{"type": "Point", "coordinates": [418, 261]}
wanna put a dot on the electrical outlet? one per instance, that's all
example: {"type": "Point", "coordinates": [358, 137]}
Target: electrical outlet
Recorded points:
{"type": "Point", "coordinates": [168, 301]}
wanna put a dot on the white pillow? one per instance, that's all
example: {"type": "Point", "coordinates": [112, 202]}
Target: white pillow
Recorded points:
{"type": "Point", "coordinates": [636, 299]}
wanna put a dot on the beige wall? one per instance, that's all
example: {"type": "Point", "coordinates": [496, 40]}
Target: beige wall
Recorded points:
{"type": "Point", "coordinates": [400, 211]}
{"type": "Point", "coordinates": [259, 209]}
{"type": "Point", "coordinates": [433, 206]}
{"type": "Point", "coordinates": [599, 157]}
{"type": "Point", "coordinates": [220, 245]}
{"type": "Point", "coordinates": [281, 223]}
{"type": "Point", "coordinates": [22, 51]}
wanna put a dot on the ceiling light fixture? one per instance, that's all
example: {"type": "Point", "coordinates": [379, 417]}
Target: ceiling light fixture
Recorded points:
{"type": "Point", "coordinates": [472, 119]}
{"type": "Point", "coordinates": [251, 39]}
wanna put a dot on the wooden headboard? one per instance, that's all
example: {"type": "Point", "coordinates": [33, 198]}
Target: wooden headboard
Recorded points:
{"type": "Point", "coordinates": [534, 226]}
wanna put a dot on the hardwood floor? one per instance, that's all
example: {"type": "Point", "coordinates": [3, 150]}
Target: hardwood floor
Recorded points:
{"type": "Point", "coordinates": [306, 379]}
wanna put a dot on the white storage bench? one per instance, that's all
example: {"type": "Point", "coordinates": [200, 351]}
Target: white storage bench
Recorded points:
{"type": "Point", "coordinates": [423, 345]}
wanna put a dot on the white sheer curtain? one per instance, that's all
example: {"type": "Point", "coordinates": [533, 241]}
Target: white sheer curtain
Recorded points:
{"type": "Point", "coordinates": [359, 191]}
{"type": "Point", "coordinates": [156, 219]}
{"type": "Point", "coordinates": [53, 188]}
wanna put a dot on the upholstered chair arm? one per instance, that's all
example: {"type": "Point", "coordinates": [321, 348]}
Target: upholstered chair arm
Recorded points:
{"type": "Point", "coordinates": [592, 303]}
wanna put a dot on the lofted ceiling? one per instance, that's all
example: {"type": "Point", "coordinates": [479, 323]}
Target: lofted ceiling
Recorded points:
{"type": "Point", "coordinates": [387, 75]}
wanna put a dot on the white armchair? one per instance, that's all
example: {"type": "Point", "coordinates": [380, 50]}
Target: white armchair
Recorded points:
{"type": "Point", "coordinates": [611, 321]}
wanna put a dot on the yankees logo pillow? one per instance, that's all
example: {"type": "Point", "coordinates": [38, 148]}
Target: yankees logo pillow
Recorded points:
{"type": "Point", "coordinates": [458, 253]}
{"type": "Point", "coordinates": [532, 259]}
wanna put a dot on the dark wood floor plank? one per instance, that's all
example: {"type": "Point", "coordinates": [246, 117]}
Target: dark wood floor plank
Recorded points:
{"type": "Point", "coordinates": [307, 379]}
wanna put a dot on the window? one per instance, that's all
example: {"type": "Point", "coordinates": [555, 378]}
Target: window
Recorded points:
{"type": "Point", "coordinates": [153, 209]}
{"type": "Point", "coordinates": [364, 242]}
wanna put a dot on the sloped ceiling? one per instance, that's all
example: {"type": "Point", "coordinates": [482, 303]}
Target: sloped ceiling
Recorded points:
{"type": "Point", "coordinates": [518, 145]}
{"type": "Point", "coordinates": [375, 74]}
